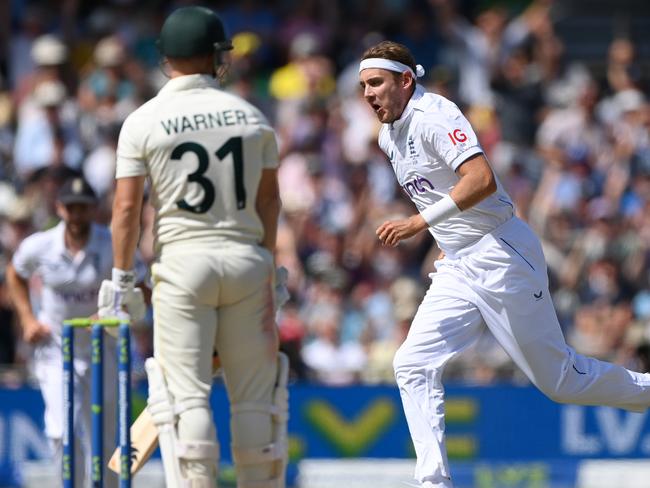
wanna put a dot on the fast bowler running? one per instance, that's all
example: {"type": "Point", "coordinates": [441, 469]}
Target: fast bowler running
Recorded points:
{"type": "Point", "coordinates": [493, 272]}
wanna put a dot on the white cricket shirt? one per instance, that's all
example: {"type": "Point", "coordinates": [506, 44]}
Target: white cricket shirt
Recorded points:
{"type": "Point", "coordinates": [203, 150]}
{"type": "Point", "coordinates": [70, 284]}
{"type": "Point", "coordinates": [425, 146]}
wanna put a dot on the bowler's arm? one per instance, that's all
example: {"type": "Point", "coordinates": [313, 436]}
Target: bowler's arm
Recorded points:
{"type": "Point", "coordinates": [125, 224]}
{"type": "Point", "coordinates": [267, 205]}
{"type": "Point", "coordinates": [477, 182]}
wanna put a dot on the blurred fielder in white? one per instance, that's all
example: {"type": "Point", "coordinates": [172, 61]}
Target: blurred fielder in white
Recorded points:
{"type": "Point", "coordinates": [493, 272]}
{"type": "Point", "coordinates": [211, 160]}
{"type": "Point", "coordinates": [71, 260]}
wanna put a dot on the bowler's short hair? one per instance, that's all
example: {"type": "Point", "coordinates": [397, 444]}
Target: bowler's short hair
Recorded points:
{"type": "Point", "coordinates": [391, 50]}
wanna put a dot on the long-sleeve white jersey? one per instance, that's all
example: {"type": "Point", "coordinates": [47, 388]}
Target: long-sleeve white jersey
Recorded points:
{"type": "Point", "coordinates": [425, 146]}
{"type": "Point", "coordinates": [203, 150]}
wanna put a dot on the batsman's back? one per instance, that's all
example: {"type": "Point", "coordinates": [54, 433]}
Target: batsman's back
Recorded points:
{"type": "Point", "coordinates": [204, 151]}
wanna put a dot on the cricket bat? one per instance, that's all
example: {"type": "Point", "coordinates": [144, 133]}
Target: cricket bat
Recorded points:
{"type": "Point", "coordinates": [144, 440]}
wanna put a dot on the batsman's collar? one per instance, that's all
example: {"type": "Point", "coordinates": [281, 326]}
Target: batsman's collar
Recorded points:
{"type": "Point", "coordinates": [188, 82]}
{"type": "Point", "coordinates": [391, 65]}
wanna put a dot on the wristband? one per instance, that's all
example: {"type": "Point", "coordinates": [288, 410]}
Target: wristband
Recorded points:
{"type": "Point", "coordinates": [440, 211]}
{"type": "Point", "coordinates": [123, 280]}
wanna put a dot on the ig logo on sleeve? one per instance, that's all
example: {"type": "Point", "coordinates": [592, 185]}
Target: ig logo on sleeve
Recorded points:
{"type": "Point", "coordinates": [457, 136]}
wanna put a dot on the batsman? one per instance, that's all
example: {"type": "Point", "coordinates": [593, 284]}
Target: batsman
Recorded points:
{"type": "Point", "coordinates": [210, 160]}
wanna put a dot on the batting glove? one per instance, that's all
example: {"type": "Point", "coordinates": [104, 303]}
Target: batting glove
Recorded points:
{"type": "Point", "coordinates": [119, 294]}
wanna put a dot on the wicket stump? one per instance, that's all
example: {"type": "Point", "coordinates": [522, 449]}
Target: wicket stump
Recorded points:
{"type": "Point", "coordinates": [97, 400]}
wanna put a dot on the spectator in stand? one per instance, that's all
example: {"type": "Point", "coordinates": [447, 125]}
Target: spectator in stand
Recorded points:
{"type": "Point", "coordinates": [6, 131]}
{"type": "Point", "coordinates": [308, 76]}
{"type": "Point", "coordinates": [8, 335]}
{"type": "Point", "coordinates": [623, 75]}
{"type": "Point", "coordinates": [50, 58]}
{"type": "Point", "coordinates": [108, 92]}
{"type": "Point", "coordinates": [47, 133]}
{"type": "Point", "coordinates": [331, 361]}
{"type": "Point", "coordinates": [518, 100]}
{"type": "Point", "coordinates": [573, 142]}
{"type": "Point", "coordinates": [478, 47]}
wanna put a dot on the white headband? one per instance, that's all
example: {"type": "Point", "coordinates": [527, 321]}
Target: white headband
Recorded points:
{"type": "Point", "coordinates": [390, 65]}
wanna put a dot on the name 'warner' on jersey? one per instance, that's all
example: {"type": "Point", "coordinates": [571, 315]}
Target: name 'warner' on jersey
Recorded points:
{"type": "Point", "coordinates": [204, 151]}
{"type": "Point", "coordinates": [425, 147]}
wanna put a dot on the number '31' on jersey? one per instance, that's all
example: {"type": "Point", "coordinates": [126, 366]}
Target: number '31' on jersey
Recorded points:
{"type": "Point", "coordinates": [203, 150]}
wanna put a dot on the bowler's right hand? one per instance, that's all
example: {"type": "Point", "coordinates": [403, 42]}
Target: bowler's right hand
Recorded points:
{"type": "Point", "coordinates": [391, 232]}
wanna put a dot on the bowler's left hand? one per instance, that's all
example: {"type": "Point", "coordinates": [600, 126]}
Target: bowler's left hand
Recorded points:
{"type": "Point", "coordinates": [391, 232]}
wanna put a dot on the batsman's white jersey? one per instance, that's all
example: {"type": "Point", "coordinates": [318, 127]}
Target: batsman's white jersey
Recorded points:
{"type": "Point", "coordinates": [68, 288]}
{"type": "Point", "coordinates": [203, 150]}
{"type": "Point", "coordinates": [494, 274]}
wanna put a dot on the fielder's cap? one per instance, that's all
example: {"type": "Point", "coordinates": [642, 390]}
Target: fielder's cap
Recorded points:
{"type": "Point", "coordinates": [48, 50]}
{"type": "Point", "coordinates": [77, 190]}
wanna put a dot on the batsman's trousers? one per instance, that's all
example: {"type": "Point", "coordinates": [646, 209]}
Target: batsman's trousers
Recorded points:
{"type": "Point", "coordinates": [217, 296]}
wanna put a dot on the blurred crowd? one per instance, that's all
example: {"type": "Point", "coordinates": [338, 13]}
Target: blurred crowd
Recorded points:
{"type": "Point", "coordinates": [569, 140]}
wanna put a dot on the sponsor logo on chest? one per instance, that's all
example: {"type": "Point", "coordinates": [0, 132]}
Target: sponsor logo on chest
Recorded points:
{"type": "Point", "coordinates": [409, 166]}
{"type": "Point", "coordinates": [78, 296]}
{"type": "Point", "coordinates": [417, 186]}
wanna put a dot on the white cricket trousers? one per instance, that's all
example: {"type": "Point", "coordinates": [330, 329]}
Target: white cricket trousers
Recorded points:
{"type": "Point", "coordinates": [499, 282]}
{"type": "Point", "coordinates": [217, 296]}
